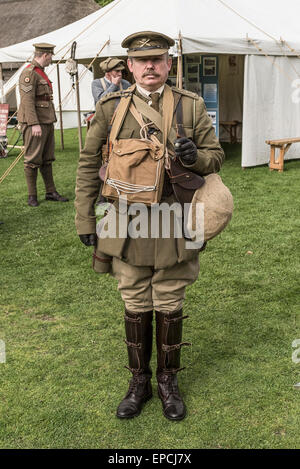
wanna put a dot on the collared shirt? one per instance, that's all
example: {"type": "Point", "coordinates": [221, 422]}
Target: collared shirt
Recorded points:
{"type": "Point", "coordinates": [147, 93]}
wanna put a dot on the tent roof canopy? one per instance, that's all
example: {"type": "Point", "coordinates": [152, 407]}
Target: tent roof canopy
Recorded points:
{"type": "Point", "coordinates": [208, 26]}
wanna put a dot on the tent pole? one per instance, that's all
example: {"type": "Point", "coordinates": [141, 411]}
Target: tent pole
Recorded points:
{"type": "Point", "coordinates": [60, 109]}
{"type": "Point", "coordinates": [78, 111]}
{"type": "Point", "coordinates": [2, 100]}
{"type": "Point", "coordinates": [179, 63]}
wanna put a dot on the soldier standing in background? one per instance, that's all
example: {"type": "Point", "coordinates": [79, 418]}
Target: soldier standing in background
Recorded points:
{"type": "Point", "coordinates": [36, 114]}
{"type": "Point", "coordinates": [112, 81]}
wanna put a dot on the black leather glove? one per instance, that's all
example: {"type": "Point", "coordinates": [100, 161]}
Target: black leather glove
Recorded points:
{"type": "Point", "coordinates": [186, 150]}
{"type": "Point", "coordinates": [88, 239]}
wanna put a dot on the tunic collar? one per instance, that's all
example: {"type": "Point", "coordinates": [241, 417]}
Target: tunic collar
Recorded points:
{"type": "Point", "coordinates": [147, 93]}
{"type": "Point", "coordinates": [36, 64]}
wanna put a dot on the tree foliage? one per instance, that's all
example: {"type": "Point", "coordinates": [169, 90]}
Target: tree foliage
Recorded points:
{"type": "Point", "coordinates": [102, 3]}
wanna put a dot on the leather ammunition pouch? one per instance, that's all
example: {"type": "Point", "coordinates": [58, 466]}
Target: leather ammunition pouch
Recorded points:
{"type": "Point", "coordinates": [184, 181]}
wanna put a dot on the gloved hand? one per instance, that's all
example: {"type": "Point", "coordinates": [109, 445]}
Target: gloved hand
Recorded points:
{"type": "Point", "coordinates": [186, 150]}
{"type": "Point", "coordinates": [88, 239]}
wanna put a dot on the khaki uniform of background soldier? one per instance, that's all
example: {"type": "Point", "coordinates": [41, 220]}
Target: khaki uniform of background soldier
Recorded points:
{"type": "Point", "coordinates": [37, 115]}
{"type": "Point", "coordinates": [152, 274]}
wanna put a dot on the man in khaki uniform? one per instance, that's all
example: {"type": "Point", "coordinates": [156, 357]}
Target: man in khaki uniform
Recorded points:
{"type": "Point", "coordinates": [37, 115]}
{"type": "Point", "coordinates": [152, 273]}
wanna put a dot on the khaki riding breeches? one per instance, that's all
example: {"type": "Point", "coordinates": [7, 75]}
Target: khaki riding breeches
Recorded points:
{"type": "Point", "coordinates": [144, 289]}
{"type": "Point", "coordinates": [38, 150]}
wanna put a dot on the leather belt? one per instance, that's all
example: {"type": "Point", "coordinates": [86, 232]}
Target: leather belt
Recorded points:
{"type": "Point", "coordinates": [44, 97]}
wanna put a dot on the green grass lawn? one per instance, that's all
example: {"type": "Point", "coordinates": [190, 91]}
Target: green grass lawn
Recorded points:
{"type": "Point", "coordinates": [62, 324]}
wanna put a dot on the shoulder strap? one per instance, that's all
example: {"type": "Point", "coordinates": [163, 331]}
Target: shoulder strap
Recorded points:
{"type": "Point", "coordinates": [147, 111]}
{"type": "Point", "coordinates": [179, 120]}
{"type": "Point", "coordinates": [168, 107]}
{"type": "Point", "coordinates": [120, 114]}
{"type": "Point", "coordinates": [163, 123]}
{"type": "Point", "coordinates": [136, 114]}
{"type": "Point", "coordinates": [103, 83]}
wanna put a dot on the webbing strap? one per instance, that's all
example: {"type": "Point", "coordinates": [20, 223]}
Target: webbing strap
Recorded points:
{"type": "Point", "coordinates": [121, 113]}
{"type": "Point", "coordinates": [168, 110]}
{"type": "Point", "coordinates": [179, 120]}
{"type": "Point", "coordinates": [132, 344]}
{"type": "Point", "coordinates": [170, 348]}
{"type": "Point", "coordinates": [103, 83]}
{"type": "Point", "coordinates": [139, 118]}
{"type": "Point", "coordinates": [137, 115]}
{"type": "Point", "coordinates": [163, 123]}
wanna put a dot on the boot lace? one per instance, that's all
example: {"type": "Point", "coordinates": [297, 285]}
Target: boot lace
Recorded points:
{"type": "Point", "coordinates": [137, 381]}
{"type": "Point", "coordinates": [169, 381]}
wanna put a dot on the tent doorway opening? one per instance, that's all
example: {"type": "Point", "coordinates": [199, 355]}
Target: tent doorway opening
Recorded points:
{"type": "Point", "coordinates": [219, 79]}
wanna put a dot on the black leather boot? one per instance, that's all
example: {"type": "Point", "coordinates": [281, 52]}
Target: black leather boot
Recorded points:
{"type": "Point", "coordinates": [32, 201]}
{"type": "Point", "coordinates": [168, 342]}
{"type": "Point", "coordinates": [56, 197]}
{"type": "Point", "coordinates": [138, 329]}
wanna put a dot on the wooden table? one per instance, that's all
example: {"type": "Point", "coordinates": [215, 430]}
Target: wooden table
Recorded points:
{"type": "Point", "coordinates": [283, 144]}
{"type": "Point", "coordinates": [231, 128]}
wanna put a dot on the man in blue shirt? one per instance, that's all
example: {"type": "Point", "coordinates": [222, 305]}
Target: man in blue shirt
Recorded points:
{"type": "Point", "coordinates": [112, 68]}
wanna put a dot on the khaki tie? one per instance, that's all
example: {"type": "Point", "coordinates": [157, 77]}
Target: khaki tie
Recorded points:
{"type": "Point", "coordinates": [155, 100]}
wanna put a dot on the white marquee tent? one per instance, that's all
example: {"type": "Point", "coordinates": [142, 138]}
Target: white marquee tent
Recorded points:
{"type": "Point", "coordinates": [68, 93]}
{"type": "Point", "coordinates": [264, 33]}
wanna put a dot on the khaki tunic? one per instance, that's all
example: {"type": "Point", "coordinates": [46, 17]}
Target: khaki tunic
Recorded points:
{"type": "Point", "coordinates": [36, 108]}
{"type": "Point", "coordinates": [160, 253]}
{"type": "Point", "coordinates": [34, 90]}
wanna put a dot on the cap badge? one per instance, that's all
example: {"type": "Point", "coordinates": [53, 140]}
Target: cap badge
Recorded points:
{"type": "Point", "coordinates": [144, 42]}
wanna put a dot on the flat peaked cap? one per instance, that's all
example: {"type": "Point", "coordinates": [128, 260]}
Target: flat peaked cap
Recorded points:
{"type": "Point", "coordinates": [44, 47]}
{"type": "Point", "coordinates": [112, 63]}
{"type": "Point", "coordinates": [147, 43]}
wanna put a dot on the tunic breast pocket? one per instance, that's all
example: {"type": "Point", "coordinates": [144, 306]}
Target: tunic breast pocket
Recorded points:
{"type": "Point", "coordinates": [42, 88]}
{"type": "Point", "coordinates": [42, 104]}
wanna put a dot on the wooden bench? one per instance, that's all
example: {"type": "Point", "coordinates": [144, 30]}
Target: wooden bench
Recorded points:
{"type": "Point", "coordinates": [283, 144]}
{"type": "Point", "coordinates": [231, 128]}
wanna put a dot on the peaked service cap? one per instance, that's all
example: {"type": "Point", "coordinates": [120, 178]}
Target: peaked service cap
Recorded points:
{"type": "Point", "coordinates": [147, 43]}
{"type": "Point", "coordinates": [44, 47]}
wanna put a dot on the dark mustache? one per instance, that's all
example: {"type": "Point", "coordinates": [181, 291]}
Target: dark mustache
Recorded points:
{"type": "Point", "coordinates": [150, 73]}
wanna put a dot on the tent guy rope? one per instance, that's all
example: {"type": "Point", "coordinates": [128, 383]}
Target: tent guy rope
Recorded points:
{"type": "Point", "coordinates": [6, 173]}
